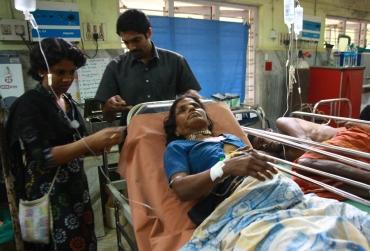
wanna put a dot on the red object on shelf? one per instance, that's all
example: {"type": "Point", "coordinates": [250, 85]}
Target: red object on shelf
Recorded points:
{"type": "Point", "coordinates": [268, 65]}
{"type": "Point", "coordinates": [334, 82]}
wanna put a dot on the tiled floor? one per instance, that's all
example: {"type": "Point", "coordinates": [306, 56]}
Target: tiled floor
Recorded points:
{"type": "Point", "coordinates": [109, 241]}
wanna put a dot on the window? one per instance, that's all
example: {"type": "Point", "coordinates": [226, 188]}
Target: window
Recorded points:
{"type": "Point", "coordinates": [150, 7]}
{"type": "Point", "coordinates": [359, 31]}
{"type": "Point", "coordinates": [214, 10]}
{"type": "Point", "coordinates": [367, 41]}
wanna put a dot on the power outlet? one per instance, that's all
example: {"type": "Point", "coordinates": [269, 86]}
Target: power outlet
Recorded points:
{"type": "Point", "coordinates": [13, 29]}
{"type": "Point", "coordinates": [89, 29]}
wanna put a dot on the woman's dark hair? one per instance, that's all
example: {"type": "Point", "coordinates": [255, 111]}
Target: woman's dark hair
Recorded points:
{"type": "Point", "coordinates": [170, 121]}
{"type": "Point", "coordinates": [55, 50]}
{"type": "Point", "coordinates": [133, 20]}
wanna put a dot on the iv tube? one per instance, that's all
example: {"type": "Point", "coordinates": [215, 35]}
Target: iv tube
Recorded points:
{"type": "Point", "coordinates": [26, 6]}
{"type": "Point", "coordinates": [298, 20]}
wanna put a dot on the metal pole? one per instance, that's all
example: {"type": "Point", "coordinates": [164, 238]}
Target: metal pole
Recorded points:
{"type": "Point", "coordinates": [337, 157]}
{"type": "Point", "coordinates": [322, 173]}
{"type": "Point", "coordinates": [331, 117]}
{"type": "Point", "coordinates": [323, 185]}
{"type": "Point", "coordinates": [313, 143]}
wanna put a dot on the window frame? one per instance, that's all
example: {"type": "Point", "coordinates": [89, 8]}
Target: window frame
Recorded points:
{"type": "Point", "coordinates": [360, 36]}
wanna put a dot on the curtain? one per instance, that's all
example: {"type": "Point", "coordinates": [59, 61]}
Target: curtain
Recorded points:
{"type": "Point", "coordinates": [215, 50]}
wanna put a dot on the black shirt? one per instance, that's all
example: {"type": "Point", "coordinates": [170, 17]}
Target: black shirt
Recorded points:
{"type": "Point", "coordinates": [166, 75]}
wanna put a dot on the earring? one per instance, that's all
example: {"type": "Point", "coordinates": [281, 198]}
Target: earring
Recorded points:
{"type": "Point", "coordinates": [177, 134]}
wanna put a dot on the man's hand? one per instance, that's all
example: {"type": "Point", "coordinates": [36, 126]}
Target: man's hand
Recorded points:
{"type": "Point", "coordinates": [113, 105]}
{"type": "Point", "coordinates": [116, 104]}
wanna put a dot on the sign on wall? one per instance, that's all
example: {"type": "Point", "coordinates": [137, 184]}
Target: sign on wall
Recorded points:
{"type": "Point", "coordinates": [311, 28]}
{"type": "Point", "coordinates": [11, 80]}
{"type": "Point", "coordinates": [89, 77]}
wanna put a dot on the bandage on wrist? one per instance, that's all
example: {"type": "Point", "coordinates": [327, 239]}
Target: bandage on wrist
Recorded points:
{"type": "Point", "coordinates": [216, 170]}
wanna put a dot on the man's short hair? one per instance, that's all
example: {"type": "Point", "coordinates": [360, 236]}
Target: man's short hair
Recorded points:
{"type": "Point", "coordinates": [133, 20]}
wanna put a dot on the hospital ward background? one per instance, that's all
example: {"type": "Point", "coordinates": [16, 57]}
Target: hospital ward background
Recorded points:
{"type": "Point", "coordinates": [262, 66]}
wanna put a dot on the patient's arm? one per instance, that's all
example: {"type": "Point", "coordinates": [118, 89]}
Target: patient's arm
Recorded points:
{"type": "Point", "coordinates": [196, 186]}
{"type": "Point", "coordinates": [189, 187]}
{"type": "Point", "coordinates": [303, 129]}
{"type": "Point", "coordinates": [340, 169]}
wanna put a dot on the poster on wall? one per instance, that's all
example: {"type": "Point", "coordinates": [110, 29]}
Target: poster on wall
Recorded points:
{"type": "Point", "coordinates": [11, 80]}
{"type": "Point", "coordinates": [89, 77]}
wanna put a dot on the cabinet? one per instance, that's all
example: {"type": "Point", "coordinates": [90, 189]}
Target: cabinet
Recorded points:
{"type": "Point", "coordinates": [337, 82]}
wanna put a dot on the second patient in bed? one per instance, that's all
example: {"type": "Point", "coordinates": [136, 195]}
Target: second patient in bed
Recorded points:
{"type": "Point", "coordinates": [353, 136]}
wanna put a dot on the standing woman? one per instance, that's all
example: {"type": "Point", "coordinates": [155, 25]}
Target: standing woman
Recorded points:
{"type": "Point", "coordinates": [46, 122]}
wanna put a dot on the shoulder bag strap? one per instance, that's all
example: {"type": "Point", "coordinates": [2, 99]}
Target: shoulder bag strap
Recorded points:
{"type": "Point", "coordinates": [52, 183]}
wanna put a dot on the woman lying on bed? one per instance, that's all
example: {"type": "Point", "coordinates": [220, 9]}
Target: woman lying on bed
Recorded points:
{"type": "Point", "coordinates": [261, 213]}
{"type": "Point", "coordinates": [195, 158]}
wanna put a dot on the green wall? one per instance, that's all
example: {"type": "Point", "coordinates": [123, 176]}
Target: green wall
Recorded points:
{"type": "Point", "coordinates": [270, 15]}
{"type": "Point", "coordinates": [95, 11]}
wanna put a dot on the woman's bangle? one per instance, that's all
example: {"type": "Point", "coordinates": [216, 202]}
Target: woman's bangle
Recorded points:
{"type": "Point", "coordinates": [216, 170]}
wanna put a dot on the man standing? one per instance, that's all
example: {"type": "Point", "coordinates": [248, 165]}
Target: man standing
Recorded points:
{"type": "Point", "coordinates": [145, 73]}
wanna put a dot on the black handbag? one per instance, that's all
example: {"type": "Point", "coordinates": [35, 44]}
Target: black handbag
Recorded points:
{"type": "Point", "coordinates": [203, 208]}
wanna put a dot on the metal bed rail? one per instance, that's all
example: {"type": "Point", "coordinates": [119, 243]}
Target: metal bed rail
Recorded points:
{"type": "Point", "coordinates": [121, 207]}
{"type": "Point", "coordinates": [335, 105]}
{"type": "Point", "coordinates": [298, 113]}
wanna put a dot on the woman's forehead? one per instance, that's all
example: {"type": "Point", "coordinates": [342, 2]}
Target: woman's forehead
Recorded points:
{"type": "Point", "coordinates": [186, 101]}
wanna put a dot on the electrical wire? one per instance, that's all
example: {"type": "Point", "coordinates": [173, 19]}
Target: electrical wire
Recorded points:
{"type": "Point", "coordinates": [124, 197]}
{"type": "Point", "coordinates": [96, 49]}
{"type": "Point", "coordinates": [25, 41]}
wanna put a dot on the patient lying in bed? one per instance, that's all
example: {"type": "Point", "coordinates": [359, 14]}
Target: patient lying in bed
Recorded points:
{"type": "Point", "coordinates": [354, 136]}
{"type": "Point", "coordinates": [266, 211]}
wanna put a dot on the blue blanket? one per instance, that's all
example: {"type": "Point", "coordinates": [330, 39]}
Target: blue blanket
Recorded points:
{"type": "Point", "coordinates": [276, 215]}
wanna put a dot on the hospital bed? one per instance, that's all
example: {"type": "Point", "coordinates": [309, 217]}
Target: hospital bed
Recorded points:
{"type": "Point", "coordinates": [154, 211]}
{"type": "Point", "coordinates": [158, 218]}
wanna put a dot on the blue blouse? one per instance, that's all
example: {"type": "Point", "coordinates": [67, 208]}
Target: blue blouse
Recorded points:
{"type": "Point", "coordinates": [194, 156]}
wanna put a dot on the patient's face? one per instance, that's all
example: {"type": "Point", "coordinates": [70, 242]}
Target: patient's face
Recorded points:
{"type": "Point", "coordinates": [190, 117]}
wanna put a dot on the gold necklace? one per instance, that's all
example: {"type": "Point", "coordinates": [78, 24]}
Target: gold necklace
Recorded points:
{"type": "Point", "coordinates": [194, 135]}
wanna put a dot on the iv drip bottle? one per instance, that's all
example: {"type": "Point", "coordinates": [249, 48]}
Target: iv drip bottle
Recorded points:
{"type": "Point", "coordinates": [25, 5]}
{"type": "Point", "coordinates": [298, 20]}
{"type": "Point", "coordinates": [289, 13]}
